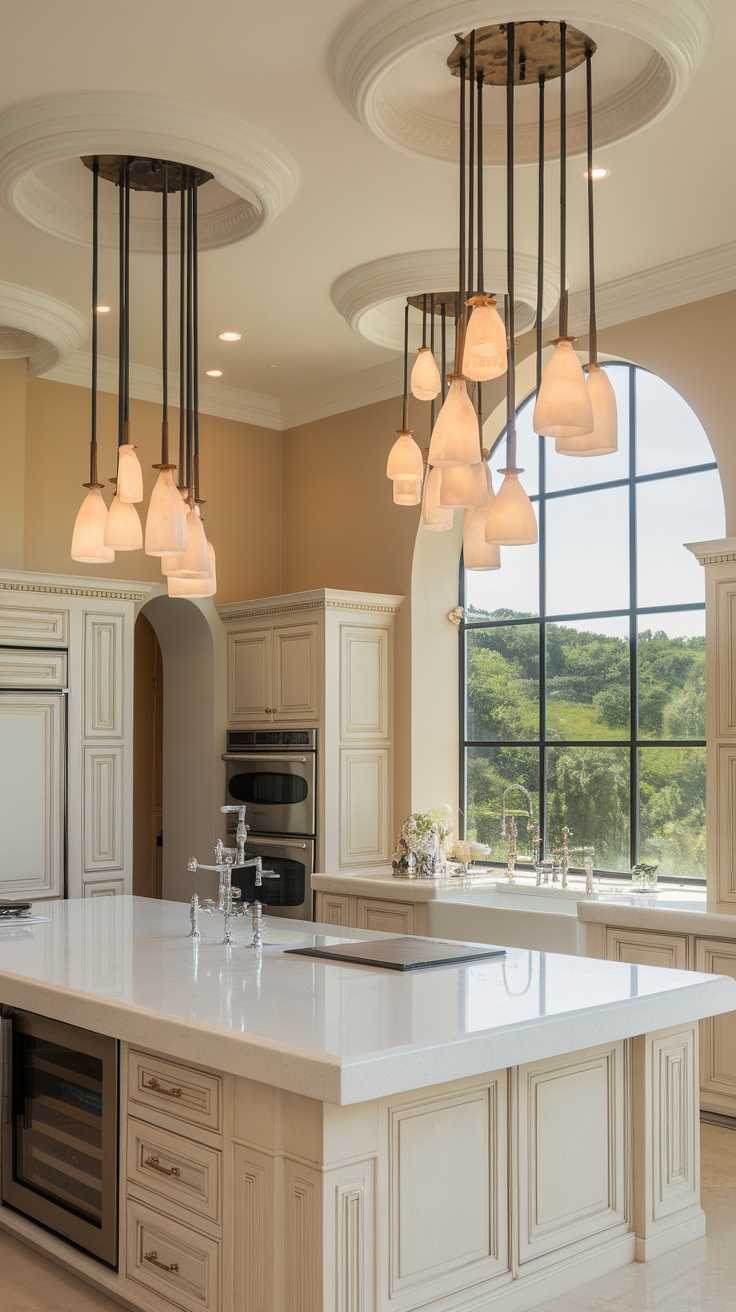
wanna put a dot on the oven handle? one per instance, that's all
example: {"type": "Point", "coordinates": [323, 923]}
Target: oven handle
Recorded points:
{"type": "Point", "coordinates": [261, 760]}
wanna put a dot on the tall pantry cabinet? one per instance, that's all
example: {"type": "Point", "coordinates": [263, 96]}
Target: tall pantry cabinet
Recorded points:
{"type": "Point", "coordinates": [323, 659]}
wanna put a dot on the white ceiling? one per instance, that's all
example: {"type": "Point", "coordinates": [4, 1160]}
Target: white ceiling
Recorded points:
{"type": "Point", "coordinates": [347, 199]}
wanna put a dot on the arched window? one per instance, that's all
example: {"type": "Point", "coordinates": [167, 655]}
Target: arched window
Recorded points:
{"type": "Point", "coordinates": [583, 658]}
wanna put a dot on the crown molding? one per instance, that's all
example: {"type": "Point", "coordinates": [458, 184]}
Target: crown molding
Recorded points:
{"type": "Point", "coordinates": [719, 551]}
{"type": "Point", "coordinates": [679, 282]}
{"type": "Point", "coordinates": [381, 383]}
{"type": "Point", "coordinates": [370, 48]}
{"type": "Point", "coordinates": [319, 599]}
{"type": "Point", "coordinates": [72, 585]}
{"type": "Point", "coordinates": [57, 329]}
{"type": "Point", "coordinates": [243, 159]}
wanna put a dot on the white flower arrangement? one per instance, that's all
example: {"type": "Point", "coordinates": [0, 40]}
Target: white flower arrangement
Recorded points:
{"type": "Point", "coordinates": [420, 848]}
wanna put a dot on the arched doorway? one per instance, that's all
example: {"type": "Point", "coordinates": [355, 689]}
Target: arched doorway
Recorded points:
{"type": "Point", "coordinates": [148, 761]}
{"type": "Point", "coordinates": [191, 732]}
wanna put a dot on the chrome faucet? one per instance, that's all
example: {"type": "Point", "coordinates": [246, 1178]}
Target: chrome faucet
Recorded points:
{"type": "Point", "coordinates": [228, 859]}
{"type": "Point", "coordinates": [512, 843]}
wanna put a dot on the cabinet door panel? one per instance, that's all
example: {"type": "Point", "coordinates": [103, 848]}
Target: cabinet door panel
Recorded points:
{"type": "Point", "coordinates": [249, 674]}
{"type": "Point", "coordinates": [295, 673]}
{"type": "Point", "coordinates": [642, 947]}
{"type": "Point", "coordinates": [364, 807]}
{"type": "Point", "coordinates": [103, 809]}
{"type": "Point", "coordinates": [103, 676]}
{"type": "Point", "coordinates": [717, 1033]}
{"type": "Point", "coordinates": [389, 917]}
{"type": "Point", "coordinates": [335, 909]}
{"type": "Point", "coordinates": [32, 742]}
{"type": "Point", "coordinates": [364, 701]}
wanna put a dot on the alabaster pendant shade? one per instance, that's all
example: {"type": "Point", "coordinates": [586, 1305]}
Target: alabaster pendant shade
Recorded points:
{"type": "Point", "coordinates": [206, 587]}
{"type": "Point", "coordinates": [123, 530]}
{"type": "Point", "coordinates": [405, 458]}
{"type": "Point", "coordinates": [89, 530]}
{"type": "Point", "coordinates": [603, 440]}
{"type": "Point", "coordinates": [455, 434]}
{"type": "Point", "coordinates": [166, 523]}
{"type": "Point", "coordinates": [129, 485]}
{"type": "Point", "coordinates": [435, 518]}
{"type": "Point", "coordinates": [426, 383]}
{"type": "Point", "coordinates": [194, 562]}
{"type": "Point", "coordinates": [477, 553]}
{"type": "Point", "coordinates": [407, 491]}
{"type": "Point", "coordinates": [563, 407]}
{"type": "Point", "coordinates": [463, 485]}
{"type": "Point", "coordinates": [484, 353]}
{"type": "Point", "coordinates": [510, 519]}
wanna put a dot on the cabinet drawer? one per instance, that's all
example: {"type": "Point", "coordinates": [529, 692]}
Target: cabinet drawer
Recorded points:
{"type": "Point", "coordinates": [389, 917]}
{"type": "Point", "coordinates": [643, 947]}
{"type": "Point", "coordinates": [190, 1096]}
{"type": "Point", "coordinates": [180, 1171]}
{"type": "Point", "coordinates": [171, 1260]}
{"type": "Point", "coordinates": [32, 669]}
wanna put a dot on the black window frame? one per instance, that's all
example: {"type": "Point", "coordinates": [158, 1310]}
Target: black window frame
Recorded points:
{"type": "Point", "coordinates": [633, 743]}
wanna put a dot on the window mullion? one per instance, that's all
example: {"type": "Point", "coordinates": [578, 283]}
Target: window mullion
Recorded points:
{"type": "Point", "coordinates": [633, 634]}
{"type": "Point", "coordinates": [542, 556]}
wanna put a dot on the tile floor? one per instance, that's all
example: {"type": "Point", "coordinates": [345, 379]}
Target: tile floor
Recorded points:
{"type": "Point", "coordinates": [701, 1277]}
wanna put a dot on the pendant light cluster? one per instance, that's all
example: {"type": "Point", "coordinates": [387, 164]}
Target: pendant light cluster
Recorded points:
{"type": "Point", "coordinates": [174, 525]}
{"type": "Point", "coordinates": [579, 413]}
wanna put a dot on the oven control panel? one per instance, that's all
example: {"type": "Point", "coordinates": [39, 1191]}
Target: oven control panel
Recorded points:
{"type": "Point", "coordinates": [248, 740]}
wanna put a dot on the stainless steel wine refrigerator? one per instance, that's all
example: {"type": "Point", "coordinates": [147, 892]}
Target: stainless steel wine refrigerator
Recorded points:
{"type": "Point", "coordinates": [60, 1129]}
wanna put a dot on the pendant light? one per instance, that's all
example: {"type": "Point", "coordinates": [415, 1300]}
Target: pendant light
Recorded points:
{"type": "Point", "coordinates": [463, 485]}
{"type": "Point", "coordinates": [435, 518]}
{"type": "Point", "coordinates": [562, 408]}
{"type": "Point", "coordinates": [166, 523]}
{"type": "Point", "coordinates": [484, 354]}
{"type": "Point", "coordinates": [123, 528]}
{"type": "Point", "coordinates": [603, 438]}
{"type": "Point", "coordinates": [88, 543]}
{"type": "Point", "coordinates": [426, 383]}
{"type": "Point", "coordinates": [510, 519]}
{"type": "Point", "coordinates": [477, 553]}
{"type": "Point", "coordinates": [405, 459]}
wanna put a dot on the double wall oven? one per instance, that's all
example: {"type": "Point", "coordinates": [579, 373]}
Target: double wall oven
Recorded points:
{"type": "Point", "coordinates": [274, 773]}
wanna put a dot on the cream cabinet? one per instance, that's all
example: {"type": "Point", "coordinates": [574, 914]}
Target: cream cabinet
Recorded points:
{"type": "Point", "coordinates": [325, 658]}
{"type": "Point", "coordinates": [388, 915]}
{"type": "Point", "coordinates": [272, 675]}
{"type": "Point", "coordinates": [641, 947]}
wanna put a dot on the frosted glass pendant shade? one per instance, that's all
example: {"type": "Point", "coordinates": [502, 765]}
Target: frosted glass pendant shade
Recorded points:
{"type": "Point", "coordinates": [435, 518]}
{"type": "Point", "coordinates": [510, 519]}
{"type": "Point", "coordinates": [426, 383]}
{"type": "Point", "coordinates": [129, 485]}
{"type": "Point", "coordinates": [166, 523]}
{"type": "Point", "coordinates": [407, 491]}
{"type": "Point", "coordinates": [195, 587]}
{"type": "Point", "coordinates": [463, 485]}
{"type": "Point", "coordinates": [484, 353]}
{"type": "Point", "coordinates": [603, 440]}
{"type": "Point", "coordinates": [477, 553]}
{"type": "Point", "coordinates": [123, 530]}
{"type": "Point", "coordinates": [89, 529]}
{"type": "Point", "coordinates": [563, 407]}
{"type": "Point", "coordinates": [194, 562]}
{"type": "Point", "coordinates": [455, 434]}
{"type": "Point", "coordinates": [405, 459]}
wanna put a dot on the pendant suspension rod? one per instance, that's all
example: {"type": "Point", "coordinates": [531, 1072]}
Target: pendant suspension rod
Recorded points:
{"type": "Point", "coordinates": [121, 303]}
{"type": "Point", "coordinates": [182, 365]}
{"type": "Point", "coordinates": [126, 401]}
{"type": "Point", "coordinates": [592, 329]}
{"type": "Point", "coordinates": [405, 412]}
{"type": "Point", "coordinates": [95, 262]}
{"type": "Point", "coordinates": [165, 318]}
{"type": "Point", "coordinates": [460, 306]}
{"type": "Point", "coordinates": [469, 287]}
{"type": "Point", "coordinates": [431, 347]}
{"type": "Point", "coordinates": [443, 392]}
{"type": "Point", "coordinates": [563, 180]}
{"type": "Point", "coordinates": [540, 231]}
{"type": "Point", "coordinates": [479, 142]}
{"type": "Point", "coordinates": [424, 319]}
{"type": "Point", "coordinates": [510, 324]}
{"type": "Point", "coordinates": [190, 467]}
{"type": "Point", "coordinates": [195, 335]}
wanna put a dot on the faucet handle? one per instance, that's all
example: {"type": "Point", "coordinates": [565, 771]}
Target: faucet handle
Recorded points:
{"type": "Point", "coordinates": [230, 810]}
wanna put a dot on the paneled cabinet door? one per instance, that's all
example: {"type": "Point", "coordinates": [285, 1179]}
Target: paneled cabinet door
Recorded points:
{"type": "Point", "coordinates": [717, 1033]}
{"type": "Point", "coordinates": [642, 947]}
{"type": "Point", "coordinates": [389, 917]}
{"type": "Point", "coordinates": [33, 742]}
{"type": "Point", "coordinates": [249, 675]}
{"type": "Point", "coordinates": [295, 673]}
{"type": "Point", "coordinates": [335, 909]}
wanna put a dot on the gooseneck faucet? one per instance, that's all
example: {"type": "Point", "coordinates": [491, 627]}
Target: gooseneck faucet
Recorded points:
{"type": "Point", "coordinates": [512, 842]}
{"type": "Point", "coordinates": [228, 859]}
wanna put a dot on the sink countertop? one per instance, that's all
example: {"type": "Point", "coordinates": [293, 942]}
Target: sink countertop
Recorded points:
{"type": "Point", "coordinates": [680, 909]}
{"type": "Point", "coordinates": [338, 1033]}
{"type": "Point", "coordinates": [381, 883]}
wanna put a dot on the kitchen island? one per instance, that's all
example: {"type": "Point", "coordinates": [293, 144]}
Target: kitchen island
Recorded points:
{"type": "Point", "coordinates": [297, 1134]}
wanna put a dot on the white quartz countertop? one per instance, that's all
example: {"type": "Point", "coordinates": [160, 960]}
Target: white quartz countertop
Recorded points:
{"type": "Point", "coordinates": [124, 966]}
{"type": "Point", "coordinates": [381, 883]}
{"type": "Point", "coordinates": [681, 910]}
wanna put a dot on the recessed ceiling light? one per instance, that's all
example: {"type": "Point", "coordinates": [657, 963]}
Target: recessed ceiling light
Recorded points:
{"type": "Point", "coordinates": [229, 337]}
{"type": "Point", "coordinates": [102, 309]}
{"type": "Point", "coordinates": [597, 174]}
{"type": "Point", "coordinates": [214, 373]}
{"type": "Point", "coordinates": [273, 366]}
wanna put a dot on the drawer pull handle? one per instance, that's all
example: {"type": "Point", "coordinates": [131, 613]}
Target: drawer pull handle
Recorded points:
{"type": "Point", "coordinates": [154, 1084]}
{"type": "Point", "coordinates": [152, 1257]}
{"type": "Point", "coordinates": [155, 1165]}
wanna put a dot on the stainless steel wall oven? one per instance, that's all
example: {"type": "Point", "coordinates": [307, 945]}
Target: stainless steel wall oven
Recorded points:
{"type": "Point", "coordinates": [274, 773]}
{"type": "Point", "coordinates": [60, 1129]}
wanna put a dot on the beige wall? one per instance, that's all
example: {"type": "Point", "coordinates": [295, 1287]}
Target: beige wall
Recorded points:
{"type": "Point", "coordinates": [12, 460]}
{"type": "Point", "coordinates": [240, 480]}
